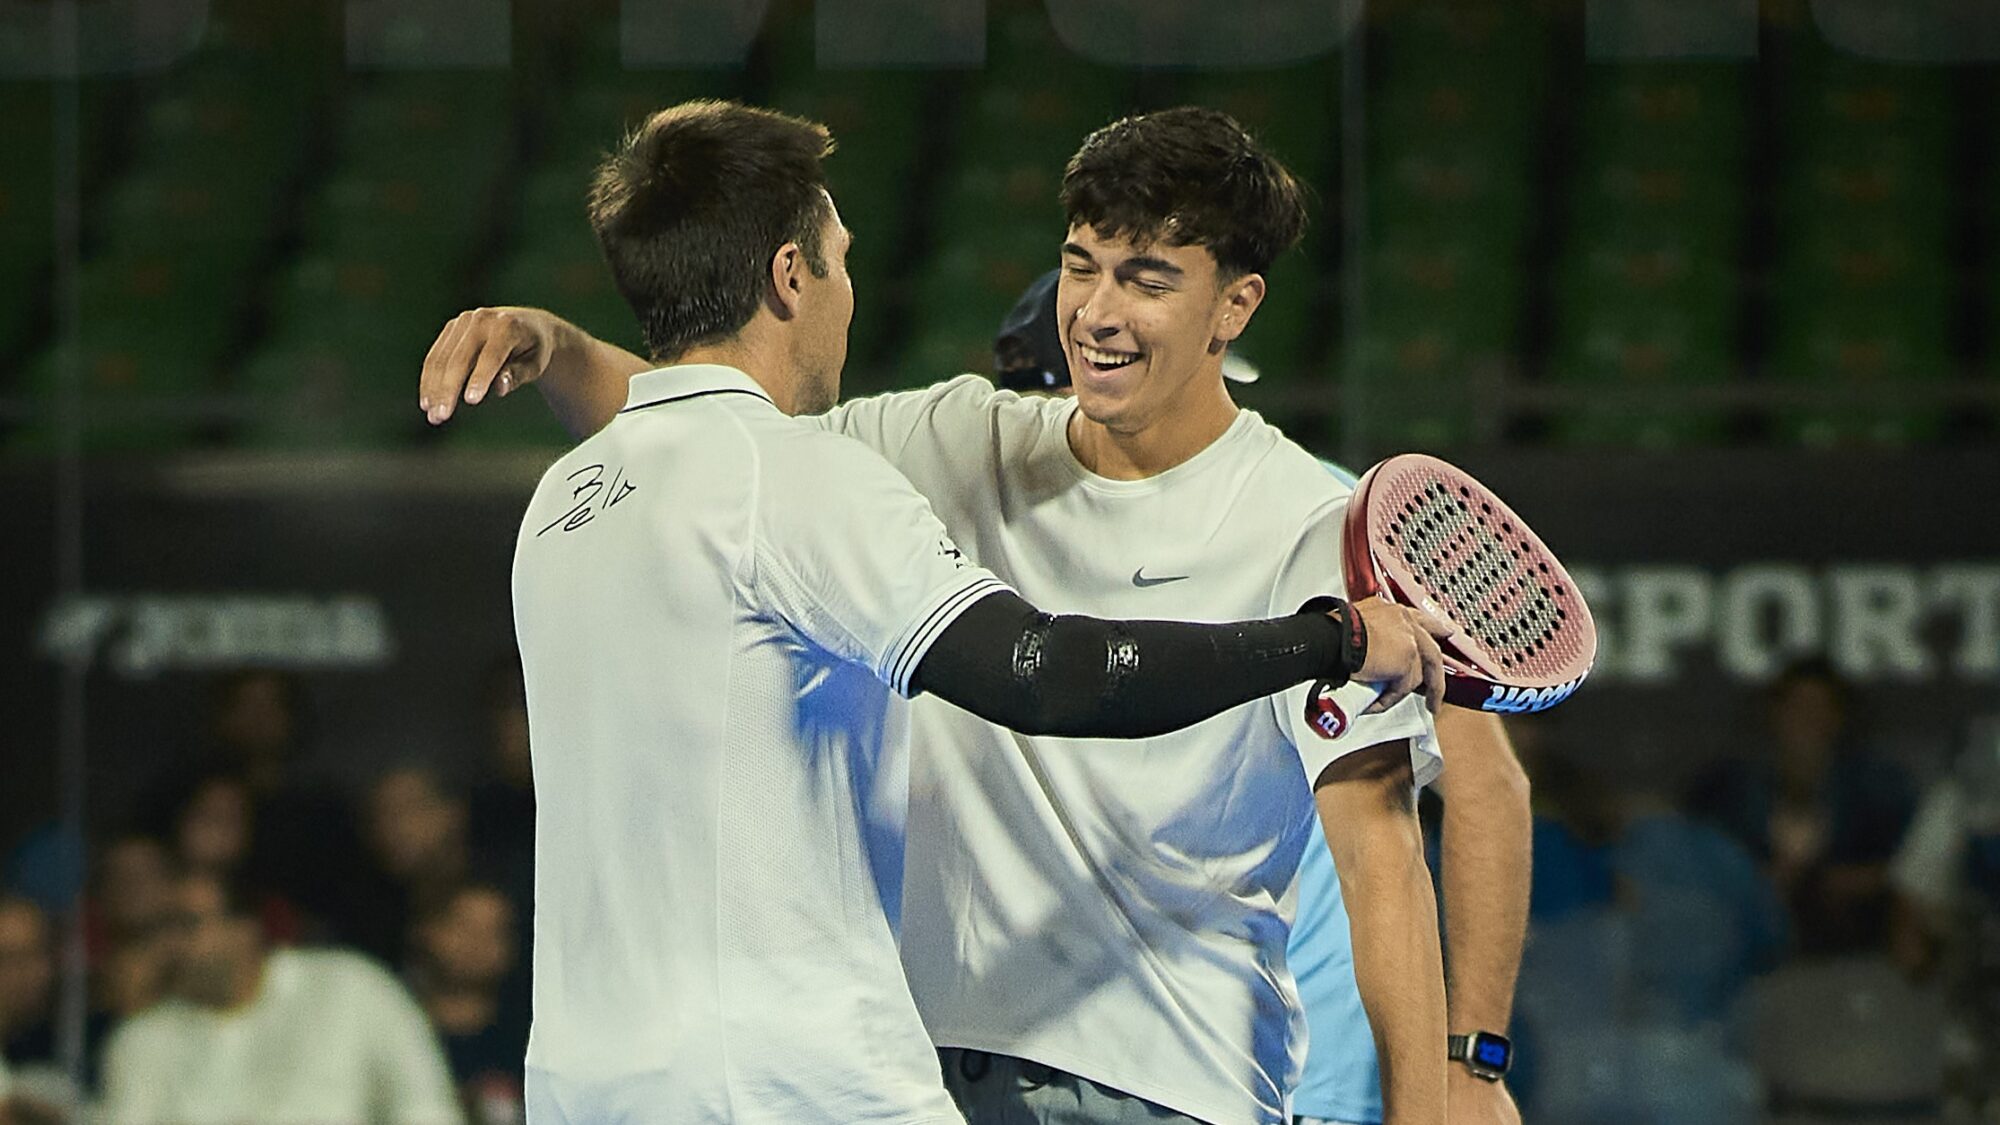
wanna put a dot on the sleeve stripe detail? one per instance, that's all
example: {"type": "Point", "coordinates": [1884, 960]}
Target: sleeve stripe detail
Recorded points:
{"type": "Point", "coordinates": [911, 652]}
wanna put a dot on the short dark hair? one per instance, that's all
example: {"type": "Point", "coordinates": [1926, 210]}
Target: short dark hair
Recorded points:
{"type": "Point", "coordinates": [691, 207]}
{"type": "Point", "coordinates": [1189, 177]}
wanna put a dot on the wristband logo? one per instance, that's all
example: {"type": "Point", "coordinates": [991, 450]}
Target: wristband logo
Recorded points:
{"type": "Point", "coordinates": [1322, 713]}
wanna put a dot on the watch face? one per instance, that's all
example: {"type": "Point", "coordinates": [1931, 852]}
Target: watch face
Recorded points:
{"type": "Point", "coordinates": [1491, 1051]}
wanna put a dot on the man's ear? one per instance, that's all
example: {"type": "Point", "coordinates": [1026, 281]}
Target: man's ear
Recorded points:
{"type": "Point", "coordinates": [1240, 299]}
{"type": "Point", "coordinates": [788, 267]}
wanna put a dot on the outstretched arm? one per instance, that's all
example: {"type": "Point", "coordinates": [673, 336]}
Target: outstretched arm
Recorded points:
{"type": "Point", "coordinates": [1368, 806]}
{"type": "Point", "coordinates": [496, 350]}
{"type": "Point", "coordinates": [1487, 844]}
{"type": "Point", "coordinates": [1086, 677]}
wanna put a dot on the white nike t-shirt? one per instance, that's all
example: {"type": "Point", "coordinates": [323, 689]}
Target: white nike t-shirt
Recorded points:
{"type": "Point", "coordinates": [715, 604]}
{"type": "Point", "coordinates": [1120, 909]}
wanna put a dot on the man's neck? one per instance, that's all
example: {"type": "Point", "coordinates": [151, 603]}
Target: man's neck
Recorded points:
{"type": "Point", "coordinates": [1185, 428]}
{"type": "Point", "coordinates": [460, 1009]}
{"type": "Point", "coordinates": [249, 982]}
{"type": "Point", "coordinates": [753, 358]}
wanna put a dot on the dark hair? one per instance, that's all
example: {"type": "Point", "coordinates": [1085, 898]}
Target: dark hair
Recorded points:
{"type": "Point", "coordinates": [224, 688]}
{"type": "Point", "coordinates": [1189, 177]}
{"type": "Point", "coordinates": [693, 204]}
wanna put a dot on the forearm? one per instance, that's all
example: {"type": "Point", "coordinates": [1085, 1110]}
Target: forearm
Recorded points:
{"type": "Point", "coordinates": [1084, 677]}
{"type": "Point", "coordinates": [1369, 812]}
{"type": "Point", "coordinates": [1487, 845]}
{"type": "Point", "coordinates": [586, 381]}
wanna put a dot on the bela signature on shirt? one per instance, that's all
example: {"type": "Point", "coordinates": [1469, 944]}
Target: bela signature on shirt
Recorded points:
{"type": "Point", "coordinates": [590, 497]}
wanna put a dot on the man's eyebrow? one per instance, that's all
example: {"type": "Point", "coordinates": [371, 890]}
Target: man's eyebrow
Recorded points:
{"type": "Point", "coordinates": [1139, 263]}
{"type": "Point", "coordinates": [1148, 262]}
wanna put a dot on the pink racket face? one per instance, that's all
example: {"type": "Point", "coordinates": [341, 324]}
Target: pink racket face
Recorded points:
{"type": "Point", "coordinates": [1424, 533]}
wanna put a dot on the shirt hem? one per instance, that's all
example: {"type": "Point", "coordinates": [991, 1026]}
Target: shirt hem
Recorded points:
{"type": "Point", "coordinates": [1104, 1076]}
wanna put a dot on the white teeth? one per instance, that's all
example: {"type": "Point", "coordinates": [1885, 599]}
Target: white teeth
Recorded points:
{"type": "Point", "coordinates": [1102, 358]}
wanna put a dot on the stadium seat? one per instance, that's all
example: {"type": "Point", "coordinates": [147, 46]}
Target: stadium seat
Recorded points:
{"type": "Point", "coordinates": [1647, 292]}
{"type": "Point", "coordinates": [145, 387]}
{"type": "Point", "coordinates": [1864, 286]}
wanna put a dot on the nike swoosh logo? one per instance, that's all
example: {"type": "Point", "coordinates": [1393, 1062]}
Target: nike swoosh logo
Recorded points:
{"type": "Point", "coordinates": [1140, 580]}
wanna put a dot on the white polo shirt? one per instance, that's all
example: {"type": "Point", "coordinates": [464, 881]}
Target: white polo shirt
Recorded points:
{"type": "Point", "coordinates": [1120, 910]}
{"type": "Point", "coordinates": [715, 604]}
{"type": "Point", "coordinates": [330, 1039]}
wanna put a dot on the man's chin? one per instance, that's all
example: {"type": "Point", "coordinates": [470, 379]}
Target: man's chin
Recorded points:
{"type": "Point", "coordinates": [1107, 410]}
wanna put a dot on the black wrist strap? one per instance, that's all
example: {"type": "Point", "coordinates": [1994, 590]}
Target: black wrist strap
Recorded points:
{"type": "Point", "coordinates": [1353, 632]}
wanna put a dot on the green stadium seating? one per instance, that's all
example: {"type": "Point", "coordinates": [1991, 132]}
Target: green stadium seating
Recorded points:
{"type": "Point", "coordinates": [1864, 284]}
{"type": "Point", "coordinates": [322, 393]}
{"type": "Point", "coordinates": [1647, 293]}
{"type": "Point", "coordinates": [145, 386]}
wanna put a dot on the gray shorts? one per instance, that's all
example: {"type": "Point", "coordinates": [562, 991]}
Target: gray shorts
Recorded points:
{"type": "Point", "coordinates": [1004, 1090]}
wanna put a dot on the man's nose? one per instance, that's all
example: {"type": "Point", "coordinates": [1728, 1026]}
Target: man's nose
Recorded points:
{"type": "Point", "coordinates": [1099, 313]}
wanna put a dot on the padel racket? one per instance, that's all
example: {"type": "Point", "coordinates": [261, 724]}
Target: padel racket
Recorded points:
{"type": "Point", "coordinates": [1423, 533]}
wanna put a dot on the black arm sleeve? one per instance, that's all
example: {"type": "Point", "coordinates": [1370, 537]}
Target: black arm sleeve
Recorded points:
{"type": "Point", "coordinates": [1085, 677]}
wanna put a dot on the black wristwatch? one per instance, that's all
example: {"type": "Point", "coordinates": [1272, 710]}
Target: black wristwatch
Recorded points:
{"type": "Point", "coordinates": [1485, 1054]}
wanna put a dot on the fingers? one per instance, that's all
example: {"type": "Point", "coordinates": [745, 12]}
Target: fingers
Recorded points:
{"type": "Point", "coordinates": [437, 391]}
{"type": "Point", "coordinates": [459, 363]}
{"type": "Point", "coordinates": [1433, 665]}
{"type": "Point", "coordinates": [475, 354]}
{"type": "Point", "coordinates": [1433, 624]}
{"type": "Point", "coordinates": [1409, 678]}
{"type": "Point", "coordinates": [490, 366]}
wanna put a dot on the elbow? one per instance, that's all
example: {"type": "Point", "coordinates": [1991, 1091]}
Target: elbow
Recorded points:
{"type": "Point", "coordinates": [1382, 854]}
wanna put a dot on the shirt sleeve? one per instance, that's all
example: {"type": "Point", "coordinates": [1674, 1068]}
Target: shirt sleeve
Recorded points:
{"type": "Point", "coordinates": [1322, 722]}
{"type": "Point", "coordinates": [413, 1083]}
{"type": "Point", "coordinates": [1926, 866]}
{"type": "Point", "coordinates": [853, 558]}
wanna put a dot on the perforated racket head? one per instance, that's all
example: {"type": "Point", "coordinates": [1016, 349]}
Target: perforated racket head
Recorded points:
{"type": "Point", "coordinates": [1421, 532]}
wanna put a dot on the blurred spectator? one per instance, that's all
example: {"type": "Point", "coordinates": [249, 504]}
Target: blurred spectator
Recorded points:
{"type": "Point", "coordinates": [466, 953]}
{"type": "Point", "coordinates": [27, 974]}
{"type": "Point", "coordinates": [1575, 826]}
{"type": "Point", "coordinates": [417, 829]}
{"type": "Point", "coordinates": [1947, 871]}
{"type": "Point", "coordinates": [303, 834]}
{"type": "Point", "coordinates": [135, 889]}
{"type": "Point", "coordinates": [38, 1088]}
{"type": "Point", "coordinates": [254, 720]}
{"type": "Point", "coordinates": [503, 804]}
{"type": "Point", "coordinates": [418, 851]}
{"type": "Point", "coordinates": [212, 830]}
{"type": "Point", "coordinates": [215, 831]}
{"type": "Point", "coordinates": [133, 899]}
{"type": "Point", "coordinates": [1947, 877]}
{"type": "Point", "coordinates": [1649, 927]}
{"type": "Point", "coordinates": [278, 1037]}
{"type": "Point", "coordinates": [1822, 813]}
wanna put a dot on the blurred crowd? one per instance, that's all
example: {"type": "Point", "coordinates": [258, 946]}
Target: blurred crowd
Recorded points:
{"type": "Point", "coordinates": [1749, 940]}
{"type": "Point", "coordinates": [1793, 937]}
{"type": "Point", "coordinates": [262, 947]}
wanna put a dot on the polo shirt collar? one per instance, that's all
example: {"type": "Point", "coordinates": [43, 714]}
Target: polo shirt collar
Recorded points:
{"type": "Point", "coordinates": [688, 380]}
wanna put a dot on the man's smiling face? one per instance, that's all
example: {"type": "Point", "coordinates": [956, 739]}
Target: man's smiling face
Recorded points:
{"type": "Point", "coordinates": [1139, 325]}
